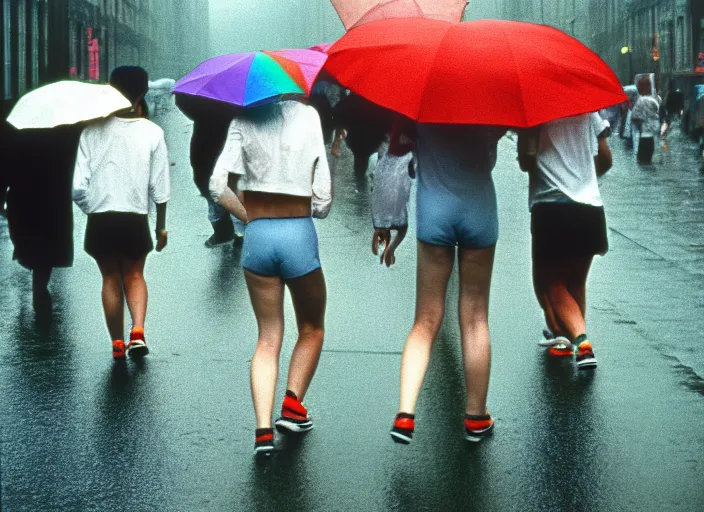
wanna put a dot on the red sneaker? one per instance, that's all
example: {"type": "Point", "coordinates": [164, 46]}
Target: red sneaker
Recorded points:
{"type": "Point", "coordinates": [118, 349]}
{"type": "Point", "coordinates": [404, 425]}
{"type": "Point", "coordinates": [477, 427]}
{"type": "Point", "coordinates": [294, 416]}
{"type": "Point", "coordinates": [585, 356]}
{"type": "Point", "coordinates": [137, 347]}
{"type": "Point", "coordinates": [561, 347]}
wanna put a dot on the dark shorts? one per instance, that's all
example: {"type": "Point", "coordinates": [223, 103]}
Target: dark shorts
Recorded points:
{"type": "Point", "coordinates": [568, 230]}
{"type": "Point", "coordinates": [122, 235]}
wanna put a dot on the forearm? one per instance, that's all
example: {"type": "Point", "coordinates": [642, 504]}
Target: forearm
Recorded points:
{"type": "Point", "coordinates": [161, 217]}
{"type": "Point", "coordinates": [229, 200]}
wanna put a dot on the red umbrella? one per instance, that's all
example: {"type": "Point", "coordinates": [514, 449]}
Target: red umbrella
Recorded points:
{"type": "Point", "coordinates": [479, 72]}
{"type": "Point", "coordinates": [357, 12]}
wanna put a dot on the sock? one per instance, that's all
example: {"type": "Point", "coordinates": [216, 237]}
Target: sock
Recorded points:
{"type": "Point", "coordinates": [291, 394]}
{"type": "Point", "coordinates": [264, 435]}
{"type": "Point", "coordinates": [406, 415]}
{"type": "Point", "coordinates": [579, 339]}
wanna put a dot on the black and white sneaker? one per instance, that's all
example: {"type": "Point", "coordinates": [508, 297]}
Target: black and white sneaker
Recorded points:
{"type": "Point", "coordinates": [264, 441]}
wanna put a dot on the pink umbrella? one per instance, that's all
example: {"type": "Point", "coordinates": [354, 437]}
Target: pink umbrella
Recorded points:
{"type": "Point", "coordinates": [357, 12]}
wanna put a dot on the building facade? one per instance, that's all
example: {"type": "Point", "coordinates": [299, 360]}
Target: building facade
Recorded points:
{"type": "Point", "coordinates": [632, 36]}
{"type": "Point", "coordinates": [46, 40]}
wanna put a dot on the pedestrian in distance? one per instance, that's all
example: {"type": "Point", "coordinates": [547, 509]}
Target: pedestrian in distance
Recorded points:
{"type": "Point", "coordinates": [275, 154]}
{"type": "Point", "coordinates": [564, 158]}
{"type": "Point", "coordinates": [122, 165]}
{"type": "Point", "coordinates": [211, 121]}
{"type": "Point", "coordinates": [457, 217]}
{"type": "Point", "coordinates": [646, 117]}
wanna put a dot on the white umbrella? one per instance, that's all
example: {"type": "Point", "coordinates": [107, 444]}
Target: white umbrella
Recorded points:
{"type": "Point", "coordinates": [64, 103]}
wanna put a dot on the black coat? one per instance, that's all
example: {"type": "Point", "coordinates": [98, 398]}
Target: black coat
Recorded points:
{"type": "Point", "coordinates": [211, 122]}
{"type": "Point", "coordinates": [39, 201]}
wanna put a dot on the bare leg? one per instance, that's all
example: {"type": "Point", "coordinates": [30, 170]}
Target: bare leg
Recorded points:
{"type": "Point", "coordinates": [475, 282]}
{"type": "Point", "coordinates": [578, 283]}
{"type": "Point", "coordinates": [309, 296]}
{"type": "Point", "coordinates": [433, 271]}
{"type": "Point", "coordinates": [113, 297]}
{"type": "Point", "coordinates": [541, 294]}
{"type": "Point", "coordinates": [565, 306]}
{"type": "Point", "coordinates": [40, 280]}
{"type": "Point", "coordinates": [267, 296]}
{"type": "Point", "coordinates": [41, 299]}
{"type": "Point", "coordinates": [135, 290]}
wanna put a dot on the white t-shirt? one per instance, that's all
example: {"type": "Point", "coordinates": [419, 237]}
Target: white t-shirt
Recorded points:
{"type": "Point", "coordinates": [277, 149]}
{"type": "Point", "coordinates": [121, 165]}
{"type": "Point", "coordinates": [566, 170]}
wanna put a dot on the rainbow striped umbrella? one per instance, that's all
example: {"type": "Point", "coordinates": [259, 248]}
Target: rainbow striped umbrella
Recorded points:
{"type": "Point", "coordinates": [254, 78]}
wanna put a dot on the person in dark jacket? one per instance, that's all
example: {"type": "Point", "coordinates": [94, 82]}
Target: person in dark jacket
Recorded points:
{"type": "Point", "coordinates": [211, 121]}
{"type": "Point", "coordinates": [39, 203]}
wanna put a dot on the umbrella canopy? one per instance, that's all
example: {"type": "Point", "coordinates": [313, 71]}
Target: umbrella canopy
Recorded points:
{"type": "Point", "coordinates": [479, 72]}
{"type": "Point", "coordinates": [65, 103]}
{"type": "Point", "coordinates": [357, 12]}
{"type": "Point", "coordinates": [254, 78]}
{"type": "Point", "coordinates": [324, 47]}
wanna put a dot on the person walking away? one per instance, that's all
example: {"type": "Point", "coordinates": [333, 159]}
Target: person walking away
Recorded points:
{"type": "Point", "coordinates": [122, 164]}
{"type": "Point", "coordinates": [457, 217]}
{"type": "Point", "coordinates": [564, 158]}
{"type": "Point", "coordinates": [38, 166]}
{"type": "Point", "coordinates": [275, 154]}
{"type": "Point", "coordinates": [646, 116]}
{"type": "Point", "coordinates": [211, 121]}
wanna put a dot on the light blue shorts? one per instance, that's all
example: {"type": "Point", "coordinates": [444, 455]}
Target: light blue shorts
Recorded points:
{"type": "Point", "coordinates": [467, 219]}
{"type": "Point", "coordinates": [287, 248]}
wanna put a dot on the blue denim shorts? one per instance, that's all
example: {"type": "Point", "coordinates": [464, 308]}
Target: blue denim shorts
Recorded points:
{"type": "Point", "coordinates": [287, 248]}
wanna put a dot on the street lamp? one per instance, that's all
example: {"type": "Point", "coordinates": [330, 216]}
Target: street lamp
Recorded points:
{"type": "Point", "coordinates": [626, 50]}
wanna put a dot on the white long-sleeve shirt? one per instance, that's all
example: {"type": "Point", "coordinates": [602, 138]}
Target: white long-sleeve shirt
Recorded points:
{"type": "Point", "coordinates": [277, 149]}
{"type": "Point", "coordinates": [121, 165]}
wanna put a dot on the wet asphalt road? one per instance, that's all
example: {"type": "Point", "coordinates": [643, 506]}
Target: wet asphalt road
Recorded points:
{"type": "Point", "coordinates": [175, 433]}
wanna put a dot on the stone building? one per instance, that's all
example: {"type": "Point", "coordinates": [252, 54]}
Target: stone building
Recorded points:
{"type": "Point", "coordinates": [633, 36]}
{"type": "Point", "coordinates": [47, 40]}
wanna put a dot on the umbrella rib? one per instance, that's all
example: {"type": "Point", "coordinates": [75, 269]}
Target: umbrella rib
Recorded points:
{"type": "Point", "coordinates": [430, 70]}
{"type": "Point", "coordinates": [520, 79]}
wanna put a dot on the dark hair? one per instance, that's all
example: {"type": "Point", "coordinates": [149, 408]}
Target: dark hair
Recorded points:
{"type": "Point", "coordinates": [131, 81]}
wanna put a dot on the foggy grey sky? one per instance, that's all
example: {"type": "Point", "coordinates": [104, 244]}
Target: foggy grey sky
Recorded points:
{"type": "Point", "coordinates": [244, 25]}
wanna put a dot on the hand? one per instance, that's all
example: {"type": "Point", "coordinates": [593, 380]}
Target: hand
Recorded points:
{"type": "Point", "coordinates": [161, 239]}
{"type": "Point", "coordinates": [382, 238]}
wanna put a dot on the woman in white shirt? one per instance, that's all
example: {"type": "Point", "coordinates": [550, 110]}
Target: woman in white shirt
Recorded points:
{"type": "Point", "coordinates": [122, 164]}
{"type": "Point", "coordinates": [276, 156]}
{"type": "Point", "coordinates": [568, 225]}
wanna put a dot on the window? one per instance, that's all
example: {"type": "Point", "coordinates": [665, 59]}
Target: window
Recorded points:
{"type": "Point", "coordinates": [6, 49]}
{"type": "Point", "coordinates": [34, 18]}
{"type": "Point", "coordinates": [679, 44]}
{"type": "Point", "coordinates": [21, 47]}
